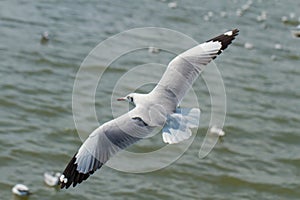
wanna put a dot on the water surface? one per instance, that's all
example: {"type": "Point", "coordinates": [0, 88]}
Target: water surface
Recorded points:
{"type": "Point", "coordinates": [258, 158]}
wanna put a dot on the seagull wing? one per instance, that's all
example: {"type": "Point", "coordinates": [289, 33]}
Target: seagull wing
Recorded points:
{"type": "Point", "coordinates": [102, 144]}
{"type": "Point", "coordinates": [184, 69]}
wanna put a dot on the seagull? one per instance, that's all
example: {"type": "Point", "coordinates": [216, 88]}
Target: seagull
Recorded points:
{"type": "Point", "coordinates": [216, 131]}
{"type": "Point", "coordinates": [20, 190]}
{"type": "Point", "coordinates": [159, 108]}
{"type": "Point", "coordinates": [172, 5]}
{"type": "Point", "coordinates": [44, 37]}
{"type": "Point", "coordinates": [52, 178]}
{"type": "Point", "coordinates": [296, 31]}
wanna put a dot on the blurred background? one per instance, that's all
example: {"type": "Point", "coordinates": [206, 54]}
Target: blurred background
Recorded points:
{"type": "Point", "coordinates": [43, 43]}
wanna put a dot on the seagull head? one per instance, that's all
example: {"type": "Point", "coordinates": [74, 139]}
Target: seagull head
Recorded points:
{"type": "Point", "coordinates": [129, 98]}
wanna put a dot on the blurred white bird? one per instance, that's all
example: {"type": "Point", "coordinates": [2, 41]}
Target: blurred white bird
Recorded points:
{"type": "Point", "coordinates": [172, 5]}
{"type": "Point", "coordinates": [20, 190]}
{"type": "Point", "coordinates": [296, 31]}
{"type": "Point", "coordinates": [152, 49]}
{"type": "Point", "coordinates": [44, 37]}
{"type": "Point", "coordinates": [51, 178]}
{"type": "Point", "coordinates": [284, 19]}
{"type": "Point", "coordinates": [248, 45]}
{"type": "Point", "coordinates": [278, 46]}
{"type": "Point", "coordinates": [217, 131]}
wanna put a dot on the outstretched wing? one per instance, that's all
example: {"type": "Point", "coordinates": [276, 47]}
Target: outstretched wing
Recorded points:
{"type": "Point", "coordinates": [102, 144]}
{"type": "Point", "coordinates": [184, 69]}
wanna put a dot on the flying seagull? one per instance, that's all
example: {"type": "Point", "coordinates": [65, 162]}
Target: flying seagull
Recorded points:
{"type": "Point", "coordinates": [159, 108]}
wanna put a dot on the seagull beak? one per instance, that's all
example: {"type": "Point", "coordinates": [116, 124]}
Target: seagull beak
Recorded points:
{"type": "Point", "coordinates": [121, 99]}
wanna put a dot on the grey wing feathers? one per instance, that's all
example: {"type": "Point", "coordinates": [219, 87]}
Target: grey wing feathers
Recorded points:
{"type": "Point", "coordinates": [102, 144]}
{"type": "Point", "coordinates": [184, 69]}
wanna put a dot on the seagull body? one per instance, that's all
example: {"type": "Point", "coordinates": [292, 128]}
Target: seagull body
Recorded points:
{"type": "Point", "coordinates": [159, 108]}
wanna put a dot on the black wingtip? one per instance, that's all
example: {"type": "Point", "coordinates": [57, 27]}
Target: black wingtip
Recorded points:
{"type": "Point", "coordinates": [71, 175]}
{"type": "Point", "coordinates": [225, 39]}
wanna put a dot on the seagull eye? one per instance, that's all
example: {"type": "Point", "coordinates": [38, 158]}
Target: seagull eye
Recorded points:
{"type": "Point", "coordinates": [130, 98]}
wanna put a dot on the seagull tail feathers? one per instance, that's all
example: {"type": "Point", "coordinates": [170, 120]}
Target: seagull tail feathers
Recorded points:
{"type": "Point", "coordinates": [179, 125]}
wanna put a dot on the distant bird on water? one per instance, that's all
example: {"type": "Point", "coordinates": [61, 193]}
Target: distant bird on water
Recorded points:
{"type": "Point", "coordinates": [45, 37]}
{"type": "Point", "coordinates": [159, 108]}
{"type": "Point", "coordinates": [52, 178]}
{"type": "Point", "coordinates": [21, 190]}
{"type": "Point", "coordinates": [296, 32]}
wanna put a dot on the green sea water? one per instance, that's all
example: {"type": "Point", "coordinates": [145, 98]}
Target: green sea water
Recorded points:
{"type": "Point", "coordinates": [259, 158]}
